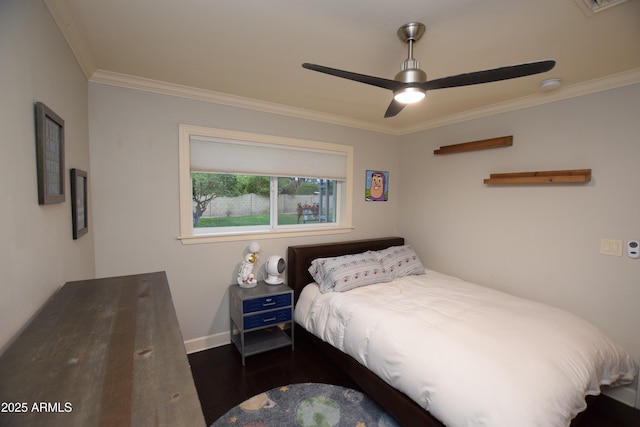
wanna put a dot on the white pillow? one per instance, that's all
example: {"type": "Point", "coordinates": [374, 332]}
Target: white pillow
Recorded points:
{"type": "Point", "coordinates": [400, 261]}
{"type": "Point", "coordinates": [339, 274]}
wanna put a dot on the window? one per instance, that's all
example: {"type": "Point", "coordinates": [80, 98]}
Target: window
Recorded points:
{"type": "Point", "coordinates": [238, 185]}
{"type": "Point", "coordinates": [234, 202]}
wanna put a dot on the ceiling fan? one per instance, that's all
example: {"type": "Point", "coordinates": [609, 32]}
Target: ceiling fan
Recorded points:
{"type": "Point", "coordinates": [410, 84]}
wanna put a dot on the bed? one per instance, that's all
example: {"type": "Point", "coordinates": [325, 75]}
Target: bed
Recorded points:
{"type": "Point", "coordinates": [450, 376]}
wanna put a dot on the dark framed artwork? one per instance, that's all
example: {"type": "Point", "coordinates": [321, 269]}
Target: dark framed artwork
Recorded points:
{"type": "Point", "coordinates": [49, 155]}
{"type": "Point", "coordinates": [377, 186]}
{"type": "Point", "coordinates": [79, 212]}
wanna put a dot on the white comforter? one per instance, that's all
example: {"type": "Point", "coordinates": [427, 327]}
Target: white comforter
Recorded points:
{"type": "Point", "coordinates": [470, 355]}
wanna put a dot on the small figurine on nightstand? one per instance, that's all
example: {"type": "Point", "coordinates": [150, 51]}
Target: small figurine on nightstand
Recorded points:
{"type": "Point", "coordinates": [246, 279]}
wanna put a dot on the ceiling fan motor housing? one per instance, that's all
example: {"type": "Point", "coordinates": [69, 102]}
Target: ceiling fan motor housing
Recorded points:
{"type": "Point", "coordinates": [411, 73]}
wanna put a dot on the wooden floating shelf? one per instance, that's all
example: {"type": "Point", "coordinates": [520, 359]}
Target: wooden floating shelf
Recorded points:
{"type": "Point", "coordinates": [503, 141]}
{"type": "Point", "coordinates": [574, 176]}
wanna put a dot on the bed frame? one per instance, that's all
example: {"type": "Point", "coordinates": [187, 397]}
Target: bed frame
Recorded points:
{"type": "Point", "coordinates": [396, 403]}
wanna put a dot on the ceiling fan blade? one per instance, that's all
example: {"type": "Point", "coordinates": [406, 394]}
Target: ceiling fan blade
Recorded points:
{"type": "Point", "coordinates": [394, 108]}
{"type": "Point", "coordinates": [362, 78]}
{"type": "Point", "coordinates": [493, 75]}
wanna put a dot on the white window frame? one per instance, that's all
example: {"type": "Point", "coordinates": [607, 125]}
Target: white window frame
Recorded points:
{"type": "Point", "coordinates": [189, 235]}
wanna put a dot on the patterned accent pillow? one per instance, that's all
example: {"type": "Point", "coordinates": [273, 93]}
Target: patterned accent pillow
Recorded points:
{"type": "Point", "coordinates": [400, 261]}
{"type": "Point", "coordinates": [339, 274]}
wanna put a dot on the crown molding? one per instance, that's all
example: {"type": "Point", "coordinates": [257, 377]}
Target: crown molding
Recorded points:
{"type": "Point", "coordinates": [172, 89]}
{"type": "Point", "coordinates": [598, 85]}
{"type": "Point", "coordinates": [63, 17]}
{"type": "Point", "coordinates": [155, 86]}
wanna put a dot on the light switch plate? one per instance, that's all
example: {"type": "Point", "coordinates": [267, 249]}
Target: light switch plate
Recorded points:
{"type": "Point", "coordinates": [611, 247]}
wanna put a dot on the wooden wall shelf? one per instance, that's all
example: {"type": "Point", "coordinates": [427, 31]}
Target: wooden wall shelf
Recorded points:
{"type": "Point", "coordinates": [503, 141]}
{"type": "Point", "coordinates": [574, 176]}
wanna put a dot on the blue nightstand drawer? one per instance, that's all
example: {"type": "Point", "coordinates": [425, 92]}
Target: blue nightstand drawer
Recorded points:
{"type": "Point", "coordinates": [266, 303]}
{"type": "Point", "coordinates": [267, 319]}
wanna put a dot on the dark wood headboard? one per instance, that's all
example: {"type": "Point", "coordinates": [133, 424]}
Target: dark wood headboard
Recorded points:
{"type": "Point", "coordinates": [299, 257]}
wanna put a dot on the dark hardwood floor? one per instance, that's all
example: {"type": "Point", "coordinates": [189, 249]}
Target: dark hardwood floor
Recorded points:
{"type": "Point", "coordinates": [222, 382]}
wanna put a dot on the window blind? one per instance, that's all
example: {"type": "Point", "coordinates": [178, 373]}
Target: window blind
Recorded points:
{"type": "Point", "coordinates": [220, 155]}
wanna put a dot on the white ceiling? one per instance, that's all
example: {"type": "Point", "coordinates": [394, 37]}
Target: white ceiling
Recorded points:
{"type": "Point", "coordinates": [249, 52]}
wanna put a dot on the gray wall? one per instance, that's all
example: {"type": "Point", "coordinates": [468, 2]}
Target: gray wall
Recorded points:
{"type": "Point", "coordinates": [536, 241]}
{"type": "Point", "coordinates": [37, 252]}
{"type": "Point", "coordinates": [134, 163]}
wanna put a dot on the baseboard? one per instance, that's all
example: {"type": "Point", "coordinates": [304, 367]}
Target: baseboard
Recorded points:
{"type": "Point", "coordinates": [204, 343]}
{"type": "Point", "coordinates": [627, 394]}
{"type": "Point", "coordinates": [211, 341]}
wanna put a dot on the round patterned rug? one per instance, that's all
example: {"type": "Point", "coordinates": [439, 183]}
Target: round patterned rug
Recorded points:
{"type": "Point", "coordinates": [307, 405]}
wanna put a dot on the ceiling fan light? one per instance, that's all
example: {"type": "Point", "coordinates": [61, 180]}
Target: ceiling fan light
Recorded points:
{"type": "Point", "coordinates": [409, 95]}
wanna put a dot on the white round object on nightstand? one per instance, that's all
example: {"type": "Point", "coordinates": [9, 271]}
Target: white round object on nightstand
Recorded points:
{"type": "Point", "coordinates": [274, 266]}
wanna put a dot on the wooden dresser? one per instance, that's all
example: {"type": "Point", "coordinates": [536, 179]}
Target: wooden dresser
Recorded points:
{"type": "Point", "coordinates": [102, 352]}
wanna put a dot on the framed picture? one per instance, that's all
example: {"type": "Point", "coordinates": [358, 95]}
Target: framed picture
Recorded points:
{"type": "Point", "coordinates": [49, 155]}
{"type": "Point", "coordinates": [377, 186]}
{"type": "Point", "coordinates": [79, 217]}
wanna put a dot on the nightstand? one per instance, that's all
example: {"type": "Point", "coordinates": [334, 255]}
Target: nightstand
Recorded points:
{"type": "Point", "coordinates": [259, 316]}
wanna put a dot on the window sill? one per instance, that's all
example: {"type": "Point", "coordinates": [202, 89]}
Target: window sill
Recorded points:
{"type": "Point", "coordinates": [252, 235]}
